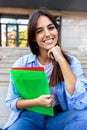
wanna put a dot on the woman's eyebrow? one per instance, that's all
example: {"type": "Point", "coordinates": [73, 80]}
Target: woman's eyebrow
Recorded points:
{"type": "Point", "coordinates": [50, 24]}
{"type": "Point", "coordinates": [42, 27]}
{"type": "Point", "coordinates": [38, 28]}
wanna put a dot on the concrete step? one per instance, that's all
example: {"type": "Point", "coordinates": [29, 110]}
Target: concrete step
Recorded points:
{"type": "Point", "coordinates": [4, 110]}
{"type": "Point", "coordinates": [77, 51]}
{"type": "Point", "coordinates": [85, 75]}
{"type": "Point", "coordinates": [4, 71]}
{"type": "Point", "coordinates": [4, 78]}
{"type": "Point", "coordinates": [11, 49]}
{"type": "Point", "coordinates": [8, 56]}
{"type": "Point", "coordinates": [16, 50]}
{"type": "Point", "coordinates": [4, 84]}
{"type": "Point", "coordinates": [84, 65]}
{"type": "Point", "coordinates": [8, 59]}
{"type": "Point", "coordinates": [7, 65]}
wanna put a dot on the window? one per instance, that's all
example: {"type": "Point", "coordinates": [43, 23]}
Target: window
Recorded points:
{"type": "Point", "coordinates": [14, 31]}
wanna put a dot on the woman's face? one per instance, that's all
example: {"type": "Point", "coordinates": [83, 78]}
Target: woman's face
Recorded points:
{"type": "Point", "coordinates": [46, 34]}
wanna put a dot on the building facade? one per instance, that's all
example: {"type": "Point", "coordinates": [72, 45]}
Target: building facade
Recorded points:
{"type": "Point", "coordinates": [71, 16]}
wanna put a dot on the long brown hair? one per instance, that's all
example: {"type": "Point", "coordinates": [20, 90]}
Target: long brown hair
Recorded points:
{"type": "Point", "coordinates": [56, 75]}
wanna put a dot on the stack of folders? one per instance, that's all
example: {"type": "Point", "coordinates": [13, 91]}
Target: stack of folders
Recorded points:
{"type": "Point", "coordinates": [31, 83]}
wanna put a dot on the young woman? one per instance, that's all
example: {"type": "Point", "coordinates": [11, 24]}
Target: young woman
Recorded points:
{"type": "Point", "coordinates": [65, 76]}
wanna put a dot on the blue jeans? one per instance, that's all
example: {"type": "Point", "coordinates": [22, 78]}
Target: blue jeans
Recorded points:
{"type": "Point", "coordinates": [69, 120]}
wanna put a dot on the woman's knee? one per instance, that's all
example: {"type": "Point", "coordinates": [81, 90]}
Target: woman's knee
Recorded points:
{"type": "Point", "coordinates": [69, 120]}
{"type": "Point", "coordinates": [79, 121]}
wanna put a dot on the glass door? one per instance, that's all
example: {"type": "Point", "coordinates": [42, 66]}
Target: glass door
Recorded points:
{"type": "Point", "coordinates": [11, 35]}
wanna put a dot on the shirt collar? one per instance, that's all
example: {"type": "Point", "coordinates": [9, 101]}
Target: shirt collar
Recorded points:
{"type": "Point", "coordinates": [31, 58]}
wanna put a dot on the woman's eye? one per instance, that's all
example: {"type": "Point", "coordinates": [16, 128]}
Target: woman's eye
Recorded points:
{"type": "Point", "coordinates": [39, 31]}
{"type": "Point", "coordinates": [51, 27]}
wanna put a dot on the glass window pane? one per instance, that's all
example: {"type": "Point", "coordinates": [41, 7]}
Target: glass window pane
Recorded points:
{"type": "Point", "coordinates": [22, 35]}
{"type": "Point", "coordinates": [11, 35]}
{"type": "Point", "coordinates": [8, 20]}
{"type": "Point", "coordinates": [3, 35]}
{"type": "Point", "coordinates": [22, 21]}
{"type": "Point", "coordinates": [11, 20]}
{"type": "Point", "coordinates": [14, 32]}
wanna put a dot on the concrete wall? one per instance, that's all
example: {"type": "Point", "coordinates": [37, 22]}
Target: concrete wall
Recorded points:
{"type": "Point", "coordinates": [74, 30]}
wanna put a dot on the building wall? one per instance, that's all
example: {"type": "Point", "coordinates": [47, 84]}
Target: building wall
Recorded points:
{"type": "Point", "coordinates": [74, 30]}
{"type": "Point", "coordinates": [73, 27]}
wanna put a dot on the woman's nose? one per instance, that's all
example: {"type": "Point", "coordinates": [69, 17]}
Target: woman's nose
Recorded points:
{"type": "Point", "coordinates": [47, 33]}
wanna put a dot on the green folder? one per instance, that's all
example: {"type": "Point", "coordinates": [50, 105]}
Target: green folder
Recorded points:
{"type": "Point", "coordinates": [31, 84]}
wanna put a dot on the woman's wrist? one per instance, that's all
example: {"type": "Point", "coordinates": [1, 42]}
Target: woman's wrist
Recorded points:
{"type": "Point", "coordinates": [60, 60]}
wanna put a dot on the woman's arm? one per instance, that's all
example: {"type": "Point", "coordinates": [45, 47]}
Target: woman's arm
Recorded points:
{"type": "Point", "coordinates": [16, 103]}
{"type": "Point", "coordinates": [69, 77]}
{"type": "Point", "coordinates": [43, 100]}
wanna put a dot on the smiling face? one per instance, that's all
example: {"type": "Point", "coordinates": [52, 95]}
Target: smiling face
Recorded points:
{"type": "Point", "coordinates": [46, 34]}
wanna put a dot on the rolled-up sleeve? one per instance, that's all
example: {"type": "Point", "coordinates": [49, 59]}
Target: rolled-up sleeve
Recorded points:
{"type": "Point", "coordinates": [12, 96]}
{"type": "Point", "coordinates": [79, 98]}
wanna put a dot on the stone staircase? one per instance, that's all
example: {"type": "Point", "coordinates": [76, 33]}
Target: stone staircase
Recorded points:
{"type": "Point", "coordinates": [81, 55]}
{"type": "Point", "coordinates": [7, 57]}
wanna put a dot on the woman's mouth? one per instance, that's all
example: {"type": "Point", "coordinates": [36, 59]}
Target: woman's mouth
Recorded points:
{"type": "Point", "coordinates": [49, 41]}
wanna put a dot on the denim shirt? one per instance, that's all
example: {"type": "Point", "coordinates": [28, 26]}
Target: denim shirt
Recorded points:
{"type": "Point", "coordinates": [76, 101]}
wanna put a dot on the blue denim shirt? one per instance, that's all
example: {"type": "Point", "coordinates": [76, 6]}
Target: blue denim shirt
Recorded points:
{"type": "Point", "coordinates": [77, 101]}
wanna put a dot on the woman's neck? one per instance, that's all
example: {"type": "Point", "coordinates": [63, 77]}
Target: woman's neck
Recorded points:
{"type": "Point", "coordinates": [44, 59]}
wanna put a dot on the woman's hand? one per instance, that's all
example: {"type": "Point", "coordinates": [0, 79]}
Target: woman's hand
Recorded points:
{"type": "Point", "coordinates": [69, 76]}
{"type": "Point", "coordinates": [46, 100]}
{"type": "Point", "coordinates": [55, 53]}
{"type": "Point", "coordinates": [43, 100]}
